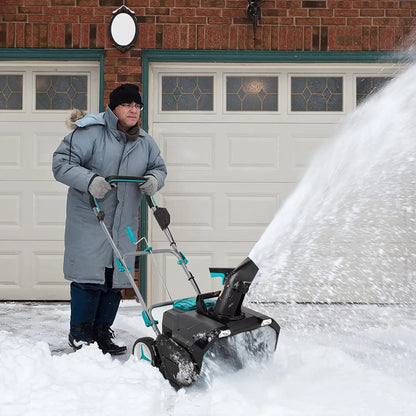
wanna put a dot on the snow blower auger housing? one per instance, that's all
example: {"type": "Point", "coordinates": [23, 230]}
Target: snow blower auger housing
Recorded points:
{"type": "Point", "coordinates": [212, 325]}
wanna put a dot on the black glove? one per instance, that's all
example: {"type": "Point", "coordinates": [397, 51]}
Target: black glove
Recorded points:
{"type": "Point", "coordinates": [99, 187]}
{"type": "Point", "coordinates": [150, 186]}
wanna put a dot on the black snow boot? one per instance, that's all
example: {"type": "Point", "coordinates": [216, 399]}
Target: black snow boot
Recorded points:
{"type": "Point", "coordinates": [77, 342]}
{"type": "Point", "coordinates": [104, 337]}
{"type": "Point", "coordinates": [104, 318]}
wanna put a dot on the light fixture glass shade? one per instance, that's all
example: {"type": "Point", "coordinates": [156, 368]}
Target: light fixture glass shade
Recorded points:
{"type": "Point", "coordinates": [123, 28]}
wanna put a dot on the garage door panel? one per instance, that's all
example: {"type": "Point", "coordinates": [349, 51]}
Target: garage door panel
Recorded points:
{"type": "Point", "coordinates": [44, 144]}
{"type": "Point", "coordinates": [189, 151]}
{"type": "Point", "coordinates": [35, 212]}
{"type": "Point", "coordinates": [304, 148]}
{"type": "Point", "coordinates": [28, 156]}
{"type": "Point", "coordinates": [254, 153]}
{"type": "Point", "coordinates": [32, 271]}
{"type": "Point", "coordinates": [10, 152]}
{"type": "Point", "coordinates": [192, 210]}
{"type": "Point", "coordinates": [251, 210]}
{"type": "Point", "coordinates": [301, 145]}
{"type": "Point", "coordinates": [48, 266]}
{"type": "Point", "coordinates": [224, 212]}
{"type": "Point", "coordinates": [200, 260]}
{"type": "Point", "coordinates": [49, 211]}
{"type": "Point", "coordinates": [10, 203]}
{"type": "Point", "coordinates": [11, 262]}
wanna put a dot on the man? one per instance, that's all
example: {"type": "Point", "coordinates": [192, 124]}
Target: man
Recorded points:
{"type": "Point", "coordinates": [107, 144]}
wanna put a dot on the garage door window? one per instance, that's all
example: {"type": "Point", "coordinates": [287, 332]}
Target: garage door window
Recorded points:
{"type": "Point", "coordinates": [11, 92]}
{"type": "Point", "coordinates": [366, 86]}
{"type": "Point", "coordinates": [61, 92]}
{"type": "Point", "coordinates": [252, 93]}
{"type": "Point", "coordinates": [190, 93]}
{"type": "Point", "coordinates": [316, 94]}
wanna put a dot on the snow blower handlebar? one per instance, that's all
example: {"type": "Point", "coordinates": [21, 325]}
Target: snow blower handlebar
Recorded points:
{"type": "Point", "coordinates": [113, 180]}
{"type": "Point", "coordinates": [161, 215]}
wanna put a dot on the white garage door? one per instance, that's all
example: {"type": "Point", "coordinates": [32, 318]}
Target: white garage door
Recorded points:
{"type": "Point", "coordinates": [237, 139]}
{"type": "Point", "coordinates": [35, 98]}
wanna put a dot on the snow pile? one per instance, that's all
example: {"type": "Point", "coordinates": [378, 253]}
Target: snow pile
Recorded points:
{"type": "Point", "coordinates": [331, 361]}
{"type": "Point", "coordinates": [87, 383]}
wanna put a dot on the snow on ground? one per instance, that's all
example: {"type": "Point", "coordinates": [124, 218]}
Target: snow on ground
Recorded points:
{"type": "Point", "coordinates": [331, 360]}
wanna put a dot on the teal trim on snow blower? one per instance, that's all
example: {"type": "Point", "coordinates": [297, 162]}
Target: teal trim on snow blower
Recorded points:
{"type": "Point", "coordinates": [120, 267]}
{"type": "Point", "coordinates": [222, 275]}
{"type": "Point", "coordinates": [147, 320]}
{"type": "Point", "coordinates": [189, 304]}
{"type": "Point", "coordinates": [96, 204]}
{"type": "Point", "coordinates": [184, 259]}
{"type": "Point", "coordinates": [131, 235]}
{"type": "Point", "coordinates": [143, 355]}
{"type": "Point", "coordinates": [127, 180]}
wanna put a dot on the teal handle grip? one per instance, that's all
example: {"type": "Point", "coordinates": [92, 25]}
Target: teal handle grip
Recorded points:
{"type": "Point", "coordinates": [147, 320]}
{"type": "Point", "coordinates": [120, 267]}
{"type": "Point", "coordinates": [131, 234]}
{"type": "Point", "coordinates": [184, 259]}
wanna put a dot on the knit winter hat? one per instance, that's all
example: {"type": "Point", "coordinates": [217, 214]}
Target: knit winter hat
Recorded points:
{"type": "Point", "coordinates": [125, 93]}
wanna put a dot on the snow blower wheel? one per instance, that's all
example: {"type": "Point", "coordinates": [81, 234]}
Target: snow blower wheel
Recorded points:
{"type": "Point", "coordinates": [143, 349]}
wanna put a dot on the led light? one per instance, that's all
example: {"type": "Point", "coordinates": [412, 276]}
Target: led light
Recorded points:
{"type": "Point", "coordinates": [266, 322]}
{"type": "Point", "coordinates": [224, 333]}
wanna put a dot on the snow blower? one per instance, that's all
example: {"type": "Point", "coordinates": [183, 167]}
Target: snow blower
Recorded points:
{"type": "Point", "coordinates": [212, 325]}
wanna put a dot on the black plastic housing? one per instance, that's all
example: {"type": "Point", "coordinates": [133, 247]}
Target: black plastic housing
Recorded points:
{"type": "Point", "coordinates": [197, 332]}
{"type": "Point", "coordinates": [236, 285]}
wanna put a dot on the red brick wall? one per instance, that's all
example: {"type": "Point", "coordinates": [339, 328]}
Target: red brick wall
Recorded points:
{"type": "Point", "coordinates": [300, 25]}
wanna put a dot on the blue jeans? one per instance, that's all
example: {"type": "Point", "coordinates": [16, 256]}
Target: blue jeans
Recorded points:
{"type": "Point", "coordinates": [93, 307]}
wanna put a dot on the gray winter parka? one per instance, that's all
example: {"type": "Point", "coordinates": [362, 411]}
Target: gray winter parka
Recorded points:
{"type": "Point", "coordinates": [97, 147]}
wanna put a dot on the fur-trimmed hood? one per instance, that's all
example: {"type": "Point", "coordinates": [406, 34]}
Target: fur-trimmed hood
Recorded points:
{"type": "Point", "coordinates": [80, 118]}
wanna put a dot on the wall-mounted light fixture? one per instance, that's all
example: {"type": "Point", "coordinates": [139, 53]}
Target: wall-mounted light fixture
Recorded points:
{"type": "Point", "coordinates": [254, 13]}
{"type": "Point", "coordinates": [123, 28]}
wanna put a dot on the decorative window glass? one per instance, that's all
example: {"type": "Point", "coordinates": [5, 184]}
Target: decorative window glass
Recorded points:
{"type": "Point", "coordinates": [61, 92]}
{"type": "Point", "coordinates": [187, 93]}
{"type": "Point", "coordinates": [11, 92]}
{"type": "Point", "coordinates": [252, 93]}
{"type": "Point", "coordinates": [369, 85]}
{"type": "Point", "coordinates": [316, 94]}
